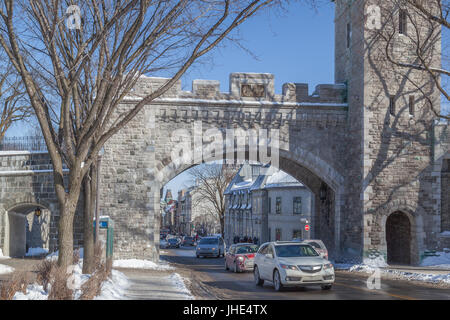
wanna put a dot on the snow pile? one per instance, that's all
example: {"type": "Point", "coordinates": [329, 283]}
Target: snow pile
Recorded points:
{"type": "Point", "coordinates": [440, 261]}
{"type": "Point", "coordinates": [36, 252]}
{"type": "Point", "coordinates": [141, 264]}
{"type": "Point", "coordinates": [34, 292]}
{"type": "Point", "coordinates": [375, 262]}
{"type": "Point", "coordinates": [115, 287]}
{"type": "Point", "coordinates": [2, 256]}
{"type": "Point", "coordinates": [178, 282]}
{"type": "Point", "coordinates": [5, 269]}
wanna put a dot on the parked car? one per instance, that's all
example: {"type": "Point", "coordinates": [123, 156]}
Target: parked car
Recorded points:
{"type": "Point", "coordinates": [319, 246]}
{"type": "Point", "coordinates": [188, 241]}
{"type": "Point", "coordinates": [173, 243]}
{"type": "Point", "coordinates": [210, 246]}
{"type": "Point", "coordinates": [240, 257]}
{"type": "Point", "coordinates": [163, 243]}
{"type": "Point", "coordinates": [292, 264]}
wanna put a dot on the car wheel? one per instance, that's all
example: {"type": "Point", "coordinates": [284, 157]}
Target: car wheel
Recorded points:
{"type": "Point", "coordinates": [198, 256]}
{"type": "Point", "coordinates": [236, 270]}
{"type": "Point", "coordinates": [256, 277]}
{"type": "Point", "coordinates": [277, 281]}
{"type": "Point", "coordinates": [326, 286]}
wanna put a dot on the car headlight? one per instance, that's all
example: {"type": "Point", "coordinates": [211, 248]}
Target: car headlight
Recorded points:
{"type": "Point", "coordinates": [213, 249]}
{"type": "Point", "coordinates": [287, 266]}
{"type": "Point", "coordinates": [327, 266]}
{"type": "Point", "coordinates": [198, 248]}
{"type": "Point", "coordinates": [240, 259]}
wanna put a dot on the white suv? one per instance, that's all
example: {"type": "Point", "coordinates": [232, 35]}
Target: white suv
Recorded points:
{"type": "Point", "coordinates": [292, 264]}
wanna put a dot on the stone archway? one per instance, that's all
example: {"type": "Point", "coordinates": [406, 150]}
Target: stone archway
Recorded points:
{"type": "Point", "coordinates": [398, 238]}
{"type": "Point", "coordinates": [324, 181]}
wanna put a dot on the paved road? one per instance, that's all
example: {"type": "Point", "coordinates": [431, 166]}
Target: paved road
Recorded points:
{"type": "Point", "coordinates": [215, 282]}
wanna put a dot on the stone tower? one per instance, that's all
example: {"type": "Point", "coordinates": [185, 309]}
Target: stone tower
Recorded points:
{"type": "Point", "coordinates": [392, 200]}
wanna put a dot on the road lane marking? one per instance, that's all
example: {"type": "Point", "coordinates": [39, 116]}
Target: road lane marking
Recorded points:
{"type": "Point", "coordinates": [375, 291]}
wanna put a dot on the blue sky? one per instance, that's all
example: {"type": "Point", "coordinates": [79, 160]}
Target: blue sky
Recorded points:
{"type": "Point", "coordinates": [296, 45]}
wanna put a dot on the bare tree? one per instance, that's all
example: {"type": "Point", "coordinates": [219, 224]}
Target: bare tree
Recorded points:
{"type": "Point", "coordinates": [78, 63]}
{"type": "Point", "coordinates": [13, 104]}
{"type": "Point", "coordinates": [420, 24]}
{"type": "Point", "coordinates": [211, 182]}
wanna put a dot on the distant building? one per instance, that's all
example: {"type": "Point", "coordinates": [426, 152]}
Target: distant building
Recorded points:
{"type": "Point", "coordinates": [267, 205]}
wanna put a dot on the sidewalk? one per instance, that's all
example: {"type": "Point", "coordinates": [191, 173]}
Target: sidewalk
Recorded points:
{"type": "Point", "coordinates": [155, 285]}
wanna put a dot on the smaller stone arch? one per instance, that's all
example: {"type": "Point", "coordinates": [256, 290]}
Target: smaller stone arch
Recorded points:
{"type": "Point", "coordinates": [415, 215]}
{"type": "Point", "coordinates": [22, 229]}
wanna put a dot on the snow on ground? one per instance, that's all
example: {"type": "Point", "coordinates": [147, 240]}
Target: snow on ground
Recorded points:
{"type": "Point", "coordinates": [112, 289]}
{"type": "Point", "coordinates": [36, 252]}
{"type": "Point", "coordinates": [370, 265]}
{"type": "Point", "coordinates": [179, 282]}
{"type": "Point", "coordinates": [442, 261]}
{"type": "Point", "coordinates": [5, 269]}
{"type": "Point", "coordinates": [2, 256]}
{"type": "Point", "coordinates": [115, 287]}
{"type": "Point", "coordinates": [142, 264]}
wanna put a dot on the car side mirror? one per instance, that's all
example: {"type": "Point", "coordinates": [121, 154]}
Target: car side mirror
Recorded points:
{"type": "Point", "coordinates": [269, 255]}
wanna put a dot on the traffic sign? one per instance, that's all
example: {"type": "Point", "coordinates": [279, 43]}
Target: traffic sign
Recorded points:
{"type": "Point", "coordinates": [307, 227]}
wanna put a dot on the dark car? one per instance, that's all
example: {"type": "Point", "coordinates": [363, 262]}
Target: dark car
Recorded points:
{"type": "Point", "coordinates": [188, 241]}
{"type": "Point", "coordinates": [173, 243]}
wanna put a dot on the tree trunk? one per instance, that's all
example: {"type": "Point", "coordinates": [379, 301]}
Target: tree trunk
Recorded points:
{"type": "Point", "coordinates": [65, 237]}
{"type": "Point", "coordinates": [89, 191]}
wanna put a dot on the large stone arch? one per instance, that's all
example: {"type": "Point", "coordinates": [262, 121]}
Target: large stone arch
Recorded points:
{"type": "Point", "coordinates": [311, 170]}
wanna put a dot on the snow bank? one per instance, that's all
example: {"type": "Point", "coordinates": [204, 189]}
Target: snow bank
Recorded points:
{"type": "Point", "coordinates": [141, 264]}
{"type": "Point", "coordinates": [34, 292]}
{"type": "Point", "coordinates": [115, 287]}
{"type": "Point", "coordinates": [441, 261]}
{"type": "Point", "coordinates": [179, 283]}
{"type": "Point", "coordinates": [36, 252]}
{"type": "Point", "coordinates": [2, 256]}
{"type": "Point", "coordinates": [5, 269]}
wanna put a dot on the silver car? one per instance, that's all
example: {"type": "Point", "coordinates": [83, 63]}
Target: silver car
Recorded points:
{"type": "Point", "coordinates": [210, 246]}
{"type": "Point", "coordinates": [289, 264]}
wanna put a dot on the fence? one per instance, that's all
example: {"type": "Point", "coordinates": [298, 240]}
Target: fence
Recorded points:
{"type": "Point", "coordinates": [23, 144]}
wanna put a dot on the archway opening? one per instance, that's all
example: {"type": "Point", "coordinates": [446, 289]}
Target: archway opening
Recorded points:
{"type": "Point", "coordinates": [398, 239]}
{"type": "Point", "coordinates": [27, 230]}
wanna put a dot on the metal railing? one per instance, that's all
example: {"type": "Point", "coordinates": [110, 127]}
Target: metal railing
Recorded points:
{"type": "Point", "coordinates": [26, 143]}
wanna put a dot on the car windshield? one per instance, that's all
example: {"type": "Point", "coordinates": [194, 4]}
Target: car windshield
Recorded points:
{"type": "Point", "coordinates": [172, 240]}
{"type": "Point", "coordinates": [286, 251]}
{"type": "Point", "coordinates": [315, 245]}
{"type": "Point", "coordinates": [209, 241]}
{"type": "Point", "coordinates": [246, 249]}
{"type": "Point", "coordinates": [188, 238]}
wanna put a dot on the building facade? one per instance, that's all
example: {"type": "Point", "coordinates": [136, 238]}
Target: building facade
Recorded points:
{"type": "Point", "coordinates": [266, 204]}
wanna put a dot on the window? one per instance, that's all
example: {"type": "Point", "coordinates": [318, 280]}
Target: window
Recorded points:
{"type": "Point", "coordinates": [277, 234]}
{"type": "Point", "coordinates": [270, 234]}
{"type": "Point", "coordinates": [278, 205]}
{"type": "Point", "coordinates": [263, 249]}
{"type": "Point", "coordinates": [392, 105]}
{"type": "Point", "coordinates": [403, 22]}
{"type": "Point", "coordinates": [296, 234]}
{"type": "Point", "coordinates": [270, 205]}
{"type": "Point", "coordinates": [297, 205]}
{"type": "Point", "coordinates": [411, 105]}
{"type": "Point", "coordinates": [349, 34]}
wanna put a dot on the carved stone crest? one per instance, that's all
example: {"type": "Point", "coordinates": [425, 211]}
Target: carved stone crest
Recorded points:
{"type": "Point", "coordinates": [253, 90]}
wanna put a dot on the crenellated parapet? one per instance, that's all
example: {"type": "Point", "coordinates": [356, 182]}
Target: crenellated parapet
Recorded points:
{"type": "Point", "coordinates": [247, 87]}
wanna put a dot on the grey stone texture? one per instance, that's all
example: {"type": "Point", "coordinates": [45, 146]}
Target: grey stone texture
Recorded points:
{"type": "Point", "coordinates": [341, 140]}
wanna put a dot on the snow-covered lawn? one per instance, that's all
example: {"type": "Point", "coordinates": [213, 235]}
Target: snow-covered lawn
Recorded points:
{"type": "Point", "coordinates": [142, 264]}
{"type": "Point", "coordinates": [442, 261]}
{"type": "Point", "coordinates": [370, 265]}
{"type": "Point", "coordinates": [112, 289]}
{"type": "Point", "coordinates": [5, 269]}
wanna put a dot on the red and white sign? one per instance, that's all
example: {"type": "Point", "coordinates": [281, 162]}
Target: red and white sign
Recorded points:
{"type": "Point", "coordinates": [307, 227]}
